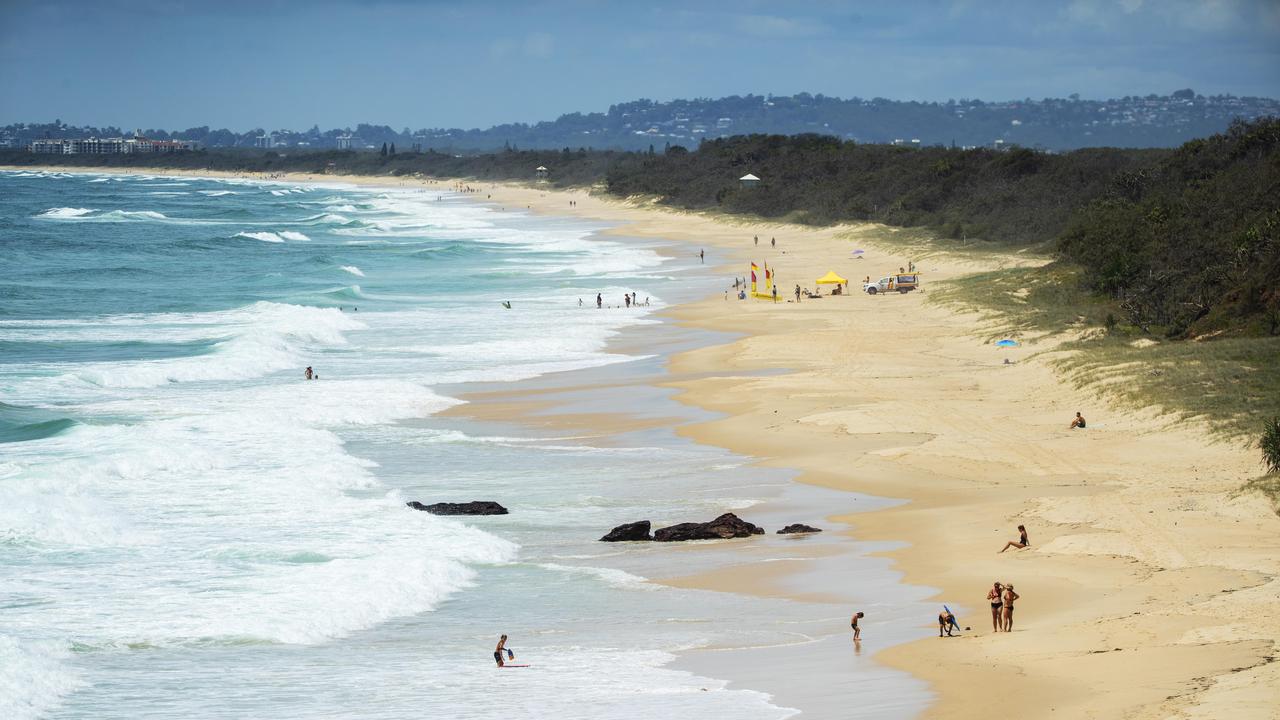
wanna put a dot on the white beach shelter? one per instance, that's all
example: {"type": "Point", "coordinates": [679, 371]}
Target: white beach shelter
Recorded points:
{"type": "Point", "coordinates": [748, 180]}
{"type": "Point", "coordinates": [540, 171]}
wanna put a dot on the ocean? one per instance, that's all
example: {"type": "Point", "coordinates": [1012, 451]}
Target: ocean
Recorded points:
{"type": "Point", "coordinates": [188, 527]}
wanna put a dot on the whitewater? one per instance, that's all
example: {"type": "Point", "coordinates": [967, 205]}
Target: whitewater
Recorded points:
{"type": "Point", "coordinates": [188, 527]}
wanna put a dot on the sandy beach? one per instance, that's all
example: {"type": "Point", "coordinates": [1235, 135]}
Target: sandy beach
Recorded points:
{"type": "Point", "coordinates": [1149, 589]}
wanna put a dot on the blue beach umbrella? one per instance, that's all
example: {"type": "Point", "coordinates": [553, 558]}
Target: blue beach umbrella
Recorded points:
{"type": "Point", "coordinates": [1007, 343]}
{"type": "Point", "coordinates": [858, 252]}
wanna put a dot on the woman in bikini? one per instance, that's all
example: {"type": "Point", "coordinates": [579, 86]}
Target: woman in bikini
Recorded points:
{"type": "Point", "coordinates": [1021, 542]}
{"type": "Point", "coordinates": [1009, 597]}
{"type": "Point", "coordinates": [995, 596]}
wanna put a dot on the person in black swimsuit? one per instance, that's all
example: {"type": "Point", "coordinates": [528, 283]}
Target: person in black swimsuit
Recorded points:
{"type": "Point", "coordinates": [996, 597]}
{"type": "Point", "coordinates": [1009, 597]}
{"type": "Point", "coordinates": [1020, 543]}
{"type": "Point", "coordinates": [853, 623]}
{"type": "Point", "coordinates": [1078, 422]}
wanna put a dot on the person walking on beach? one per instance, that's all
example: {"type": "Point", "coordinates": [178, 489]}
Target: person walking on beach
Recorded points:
{"type": "Point", "coordinates": [757, 239]}
{"type": "Point", "coordinates": [1019, 543]}
{"type": "Point", "coordinates": [995, 596]}
{"type": "Point", "coordinates": [773, 242]}
{"type": "Point", "coordinates": [1078, 422]}
{"type": "Point", "coordinates": [627, 297]}
{"type": "Point", "coordinates": [797, 293]}
{"type": "Point", "coordinates": [853, 623]}
{"type": "Point", "coordinates": [775, 293]}
{"type": "Point", "coordinates": [1009, 597]}
{"type": "Point", "coordinates": [502, 647]}
{"type": "Point", "coordinates": [702, 255]}
{"type": "Point", "coordinates": [599, 301]}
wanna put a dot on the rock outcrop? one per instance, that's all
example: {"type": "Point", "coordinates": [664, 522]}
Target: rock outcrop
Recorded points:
{"type": "Point", "coordinates": [475, 507]}
{"type": "Point", "coordinates": [798, 528]}
{"type": "Point", "coordinates": [724, 527]}
{"type": "Point", "coordinates": [629, 532]}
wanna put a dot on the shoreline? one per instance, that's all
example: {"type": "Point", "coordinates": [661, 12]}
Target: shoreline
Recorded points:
{"type": "Point", "coordinates": [1149, 590]}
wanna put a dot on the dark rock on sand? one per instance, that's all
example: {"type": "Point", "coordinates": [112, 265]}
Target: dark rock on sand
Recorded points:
{"type": "Point", "coordinates": [475, 507]}
{"type": "Point", "coordinates": [723, 527]}
{"type": "Point", "coordinates": [628, 532]}
{"type": "Point", "coordinates": [798, 528]}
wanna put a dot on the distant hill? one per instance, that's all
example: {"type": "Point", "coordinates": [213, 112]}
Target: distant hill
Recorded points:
{"type": "Point", "coordinates": [1056, 124]}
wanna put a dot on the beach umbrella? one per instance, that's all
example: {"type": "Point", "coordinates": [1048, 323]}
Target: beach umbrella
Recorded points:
{"type": "Point", "coordinates": [858, 252]}
{"type": "Point", "coordinates": [1007, 343]}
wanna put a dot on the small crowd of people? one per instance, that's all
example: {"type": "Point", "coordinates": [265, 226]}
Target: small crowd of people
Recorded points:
{"type": "Point", "coordinates": [1001, 597]}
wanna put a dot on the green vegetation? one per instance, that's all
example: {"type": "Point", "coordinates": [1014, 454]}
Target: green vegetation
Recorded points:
{"type": "Point", "coordinates": [1191, 245]}
{"type": "Point", "coordinates": [1270, 444]}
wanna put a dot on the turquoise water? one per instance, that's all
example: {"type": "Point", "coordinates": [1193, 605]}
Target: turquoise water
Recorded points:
{"type": "Point", "coordinates": [188, 527]}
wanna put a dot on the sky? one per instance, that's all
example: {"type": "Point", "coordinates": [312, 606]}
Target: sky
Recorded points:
{"type": "Point", "coordinates": [285, 64]}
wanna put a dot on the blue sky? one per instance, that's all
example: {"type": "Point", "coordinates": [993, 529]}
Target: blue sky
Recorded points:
{"type": "Point", "coordinates": [285, 64]}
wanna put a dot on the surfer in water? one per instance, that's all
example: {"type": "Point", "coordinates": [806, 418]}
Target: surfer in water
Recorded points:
{"type": "Point", "coordinates": [502, 647]}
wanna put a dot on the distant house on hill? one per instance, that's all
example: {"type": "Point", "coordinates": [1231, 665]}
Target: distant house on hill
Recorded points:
{"type": "Point", "coordinates": [748, 181]}
{"type": "Point", "coordinates": [541, 172]}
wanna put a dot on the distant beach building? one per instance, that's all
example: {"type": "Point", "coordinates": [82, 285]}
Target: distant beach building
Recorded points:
{"type": "Point", "coordinates": [110, 146]}
{"type": "Point", "coordinates": [541, 172]}
{"type": "Point", "coordinates": [344, 142]}
{"type": "Point", "coordinates": [748, 181]}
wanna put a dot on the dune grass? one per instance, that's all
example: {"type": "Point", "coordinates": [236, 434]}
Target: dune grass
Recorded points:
{"type": "Point", "coordinates": [1231, 384]}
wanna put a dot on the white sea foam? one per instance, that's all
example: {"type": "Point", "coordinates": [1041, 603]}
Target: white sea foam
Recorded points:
{"type": "Point", "coordinates": [263, 236]}
{"type": "Point", "coordinates": [65, 212]}
{"type": "Point", "coordinates": [34, 677]}
{"type": "Point", "coordinates": [353, 270]}
{"type": "Point", "coordinates": [217, 193]}
{"type": "Point", "coordinates": [295, 236]}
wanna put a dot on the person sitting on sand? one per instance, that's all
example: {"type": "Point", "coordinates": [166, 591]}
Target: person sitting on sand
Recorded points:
{"type": "Point", "coordinates": [1009, 597]}
{"type": "Point", "coordinates": [502, 647]}
{"type": "Point", "coordinates": [946, 621]}
{"type": "Point", "coordinates": [1020, 543]}
{"type": "Point", "coordinates": [996, 597]}
{"type": "Point", "coordinates": [1078, 422]}
{"type": "Point", "coordinates": [853, 623]}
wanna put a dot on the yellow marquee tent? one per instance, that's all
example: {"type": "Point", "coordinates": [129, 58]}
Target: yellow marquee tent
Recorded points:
{"type": "Point", "coordinates": [832, 279]}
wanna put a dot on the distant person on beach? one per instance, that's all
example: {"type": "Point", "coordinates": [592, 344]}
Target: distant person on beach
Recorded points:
{"type": "Point", "coordinates": [599, 301]}
{"type": "Point", "coordinates": [757, 239]}
{"type": "Point", "coordinates": [702, 255]}
{"type": "Point", "coordinates": [775, 293]}
{"type": "Point", "coordinates": [627, 298]}
{"type": "Point", "coordinates": [773, 242]}
{"type": "Point", "coordinates": [579, 302]}
{"type": "Point", "coordinates": [1020, 542]}
{"type": "Point", "coordinates": [502, 647]}
{"type": "Point", "coordinates": [1009, 597]}
{"type": "Point", "coordinates": [946, 621]}
{"type": "Point", "coordinates": [1078, 422]}
{"type": "Point", "coordinates": [853, 623]}
{"type": "Point", "coordinates": [995, 596]}
{"type": "Point", "coordinates": [797, 293]}
{"type": "Point", "coordinates": [307, 373]}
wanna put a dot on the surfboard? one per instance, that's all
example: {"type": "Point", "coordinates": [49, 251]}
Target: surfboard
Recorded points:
{"type": "Point", "coordinates": [510, 665]}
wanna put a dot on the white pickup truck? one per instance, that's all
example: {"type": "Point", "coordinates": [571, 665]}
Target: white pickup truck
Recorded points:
{"type": "Point", "coordinates": [901, 282]}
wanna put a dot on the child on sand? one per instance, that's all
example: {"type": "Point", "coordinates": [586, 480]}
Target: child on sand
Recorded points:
{"type": "Point", "coordinates": [853, 623]}
{"type": "Point", "coordinates": [946, 621]}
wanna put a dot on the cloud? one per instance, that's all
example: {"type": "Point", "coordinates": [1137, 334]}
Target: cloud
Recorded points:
{"type": "Point", "coordinates": [770, 26]}
{"type": "Point", "coordinates": [539, 45]}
